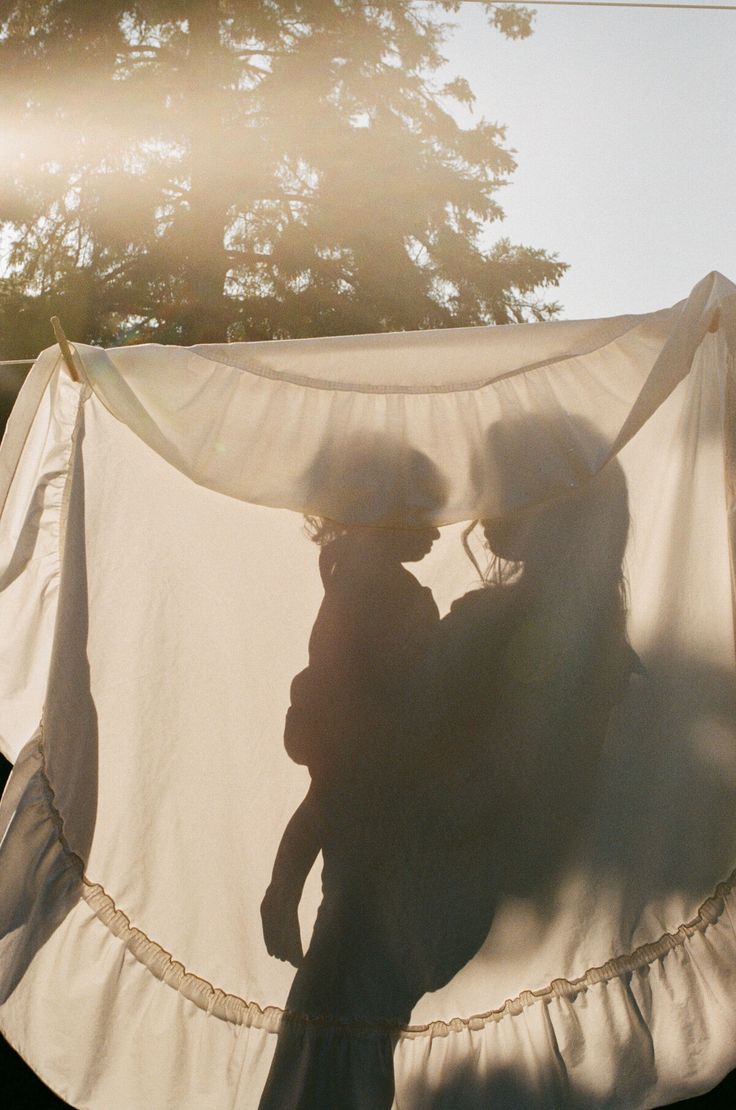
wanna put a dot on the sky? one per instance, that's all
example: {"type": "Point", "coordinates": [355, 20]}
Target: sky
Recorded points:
{"type": "Point", "coordinates": [624, 126]}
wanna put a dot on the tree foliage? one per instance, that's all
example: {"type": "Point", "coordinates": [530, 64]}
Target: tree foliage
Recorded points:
{"type": "Point", "coordinates": [196, 170]}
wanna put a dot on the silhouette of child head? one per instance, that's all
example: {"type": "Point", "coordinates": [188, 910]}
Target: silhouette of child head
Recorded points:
{"type": "Point", "coordinates": [379, 497]}
{"type": "Point", "coordinates": [374, 547]}
{"type": "Point", "coordinates": [375, 479]}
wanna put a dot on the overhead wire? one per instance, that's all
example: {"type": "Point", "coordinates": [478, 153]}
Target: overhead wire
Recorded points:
{"type": "Point", "coordinates": [610, 4]}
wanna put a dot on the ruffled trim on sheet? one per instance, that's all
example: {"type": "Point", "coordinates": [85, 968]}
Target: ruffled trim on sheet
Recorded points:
{"type": "Point", "coordinates": [232, 1008]}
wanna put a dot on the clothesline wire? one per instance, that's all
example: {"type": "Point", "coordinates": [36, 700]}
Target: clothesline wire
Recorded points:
{"type": "Point", "coordinates": [617, 4]}
{"type": "Point", "coordinates": [66, 351]}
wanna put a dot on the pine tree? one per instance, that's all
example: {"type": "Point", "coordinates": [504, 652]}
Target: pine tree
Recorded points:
{"type": "Point", "coordinates": [201, 170]}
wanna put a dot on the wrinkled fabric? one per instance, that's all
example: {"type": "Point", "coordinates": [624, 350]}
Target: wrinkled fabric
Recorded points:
{"type": "Point", "coordinates": [372, 708]}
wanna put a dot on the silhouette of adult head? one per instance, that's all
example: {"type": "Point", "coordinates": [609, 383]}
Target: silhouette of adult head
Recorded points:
{"type": "Point", "coordinates": [555, 523]}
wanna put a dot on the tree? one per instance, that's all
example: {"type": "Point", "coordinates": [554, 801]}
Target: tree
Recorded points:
{"type": "Point", "coordinates": [196, 170]}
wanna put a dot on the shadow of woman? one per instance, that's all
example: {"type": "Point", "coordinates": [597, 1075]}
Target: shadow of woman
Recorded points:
{"type": "Point", "coordinates": [530, 667]}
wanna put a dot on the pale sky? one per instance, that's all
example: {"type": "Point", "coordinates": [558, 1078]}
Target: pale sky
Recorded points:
{"type": "Point", "coordinates": [625, 132]}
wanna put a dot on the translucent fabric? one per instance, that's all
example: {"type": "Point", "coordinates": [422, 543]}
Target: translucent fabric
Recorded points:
{"type": "Point", "coordinates": [305, 812]}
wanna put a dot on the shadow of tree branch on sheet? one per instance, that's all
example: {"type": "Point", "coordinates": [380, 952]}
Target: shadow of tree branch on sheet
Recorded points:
{"type": "Point", "coordinates": [505, 1090]}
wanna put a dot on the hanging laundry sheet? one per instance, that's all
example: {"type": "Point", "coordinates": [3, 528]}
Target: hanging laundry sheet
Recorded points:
{"type": "Point", "coordinates": [373, 714]}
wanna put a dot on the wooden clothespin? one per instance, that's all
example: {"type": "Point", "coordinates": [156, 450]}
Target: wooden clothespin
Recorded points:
{"type": "Point", "coordinates": [66, 350]}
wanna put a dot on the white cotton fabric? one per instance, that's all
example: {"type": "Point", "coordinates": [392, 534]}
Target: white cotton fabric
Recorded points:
{"type": "Point", "coordinates": [551, 885]}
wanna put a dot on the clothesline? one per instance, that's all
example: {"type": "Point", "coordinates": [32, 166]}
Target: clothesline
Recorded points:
{"type": "Point", "coordinates": [619, 4]}
{"type": "Point", "coordinates": [63, 343]}
{"type": "Point", "coordinates": [65, 350]}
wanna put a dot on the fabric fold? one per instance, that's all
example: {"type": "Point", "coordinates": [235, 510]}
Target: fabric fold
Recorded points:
{"type": "Point", "coordinates": [299, 400]}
